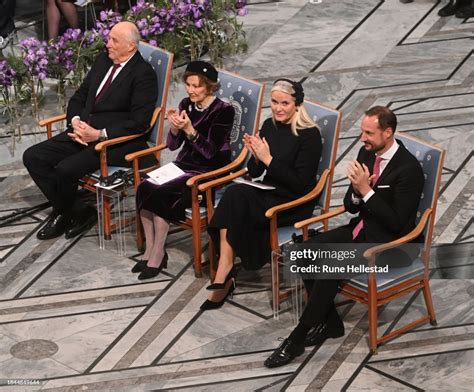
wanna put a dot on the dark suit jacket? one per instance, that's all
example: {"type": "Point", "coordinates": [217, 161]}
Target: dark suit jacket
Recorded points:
{"type": "Point", "coordinates": [126, 107]}
{"type": "Point", "coordinates": [391, 212]}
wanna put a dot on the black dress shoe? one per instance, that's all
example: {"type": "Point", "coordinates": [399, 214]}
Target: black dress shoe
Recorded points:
{"type": "Point", "coordinates": [82, 223]}
{"type": "Point", "coordinates": [220, 286]}
{"type": "Point", "coordinates": [56, 225]}
{"type": "Point", "coordinates": [210, 305]}
{"type": "Point", "coordinates": [284, 354]}
{"type": "Point", "coordinates": [151, 272]}
{"type": "Point", "coordinates": [465, 12]}
{"type": "Point", "coordinates": [139, 266]}
{"type": "Point", "coordinates": [448, 10]}
{"type": "Point", "coordinates": [317, 335]}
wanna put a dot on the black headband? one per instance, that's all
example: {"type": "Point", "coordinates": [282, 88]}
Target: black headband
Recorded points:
{"type": "Point", "coordinates": [299, 92]}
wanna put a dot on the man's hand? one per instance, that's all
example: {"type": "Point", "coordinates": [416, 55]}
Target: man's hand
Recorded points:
{"type": "Point", "coordinates": [84, 133]}
{"type": "Point", "coordinates": [359, 177]}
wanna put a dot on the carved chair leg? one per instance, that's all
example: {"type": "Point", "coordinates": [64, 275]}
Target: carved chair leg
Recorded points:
{"type": "Point", "coordinates": [197, 248]}
{"type": "Point", "coordinates": [373, 325]}
{"type": "Point", "coordinates": [429, 302]}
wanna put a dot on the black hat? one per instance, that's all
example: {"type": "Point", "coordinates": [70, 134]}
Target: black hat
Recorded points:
{"type": "Point", "coordinates": [203, 68]}
{"type": "Point", "coordinates": [298, 87]}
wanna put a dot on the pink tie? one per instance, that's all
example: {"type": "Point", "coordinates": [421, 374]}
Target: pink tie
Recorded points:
{"type": "Point", "coordinates": [376, 173]}
{"type": "Point", "coordinates": [107, 83]}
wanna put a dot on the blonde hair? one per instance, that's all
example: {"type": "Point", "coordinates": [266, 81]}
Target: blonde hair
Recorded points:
{"type": "Point", "coordinates": [301, 119]}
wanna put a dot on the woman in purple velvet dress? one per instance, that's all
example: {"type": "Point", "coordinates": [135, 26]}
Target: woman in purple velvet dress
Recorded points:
{"type": "Point", "coordinates": [202, 125]}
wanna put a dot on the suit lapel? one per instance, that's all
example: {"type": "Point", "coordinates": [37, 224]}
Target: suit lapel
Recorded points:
{"type": "Point", "coordinates": [120, 77]}
{"type": "Point", "coordinates": [392, 164]}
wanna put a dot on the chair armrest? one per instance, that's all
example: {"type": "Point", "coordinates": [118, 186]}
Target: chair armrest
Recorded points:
{"type": "Point", "coordinates": [143, 153]}
{"type": "Point", "coordinates": [52, 120]}
{"type": "Point", "coordinates": [106, 143]}
{"type": "Point", "coordinates": [370, 253]}
{"type": "Point", "coordinates": [236, 163]}
{"type": "Point", "coordinates": [271, 212]}
{"type": "Point", "coordinates": [48, 123]}
{"type": "Point", "coordinates": [222, 180]}
{"type": "Point", "coordinates": [314, 219]}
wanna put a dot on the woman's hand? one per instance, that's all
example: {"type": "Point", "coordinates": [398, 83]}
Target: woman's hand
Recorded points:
{"type": "Point", "coordinates": [261, 149]}
{"type": "Point", "coordinates": [248, 145]}
{"type": "Point", "coordinates": [185, 124]}
{"type": "Point", "coordinates": [173, 119]}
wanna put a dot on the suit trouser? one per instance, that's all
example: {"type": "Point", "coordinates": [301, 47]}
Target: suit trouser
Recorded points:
{"type": "Point", "coordinates": [320, 307]}
{"type": "Point", "coordinates": [56, 167]}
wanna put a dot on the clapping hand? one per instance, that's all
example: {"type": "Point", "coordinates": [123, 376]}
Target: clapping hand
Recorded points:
{"type": "Point", "coordinates": [259, 148]}
{"type": "Point", "coordinates": [179, 121]}
{"type": "Point", "coordinates": [359, 177]}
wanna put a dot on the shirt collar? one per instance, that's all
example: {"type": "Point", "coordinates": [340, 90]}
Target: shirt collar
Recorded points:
{"type": "Point", "coordinates": [122, 64]}
{"type": "Point", "coordinates": [387, 155]}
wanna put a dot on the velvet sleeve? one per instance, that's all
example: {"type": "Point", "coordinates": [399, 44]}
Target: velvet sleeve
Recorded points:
{"type": "Point", "coordinates": [174, 142]}
{"type": "Point", "coordinates": [298, 176]}
{"type": "Point", "coordinates": [217, 135]}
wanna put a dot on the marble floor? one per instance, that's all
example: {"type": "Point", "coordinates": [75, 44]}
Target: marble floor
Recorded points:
{"type": "Point", "coordinates": [73, 317]}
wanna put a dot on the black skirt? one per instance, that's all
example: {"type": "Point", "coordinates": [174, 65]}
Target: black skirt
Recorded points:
{"type": "Point", "coordinates": [242, 212]}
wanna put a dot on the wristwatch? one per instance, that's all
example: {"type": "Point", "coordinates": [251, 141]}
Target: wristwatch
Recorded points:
{"type": "Point", "coordinates": [192, 137]}
{"type": "Point", "coordinates": [102, 135]}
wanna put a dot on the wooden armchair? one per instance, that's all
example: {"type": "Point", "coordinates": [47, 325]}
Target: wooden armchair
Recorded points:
{"type": "Point", "coordinates": [375, 290]}
{"type": "Point", "coordinates": [329, 122]}
{"type": "Point", "coordinates": [246, 97]}
{"type": "Point", "coordinates": [161, 61]}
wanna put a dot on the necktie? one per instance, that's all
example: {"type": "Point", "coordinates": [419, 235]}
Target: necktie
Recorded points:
{"type": "Point", "coordinates": [107, 83]}
{"type": "Point", "coordinates": [376, 173]}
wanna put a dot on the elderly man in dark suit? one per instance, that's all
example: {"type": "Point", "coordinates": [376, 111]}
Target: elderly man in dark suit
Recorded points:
{"type": "Point", "coordinates": [385, 190]}
{"type": "Point", "coordinates": [117, 98]}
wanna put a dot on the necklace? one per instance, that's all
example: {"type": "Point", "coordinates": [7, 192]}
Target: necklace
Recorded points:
{"type": "Point", "coordinates": [202, 108]}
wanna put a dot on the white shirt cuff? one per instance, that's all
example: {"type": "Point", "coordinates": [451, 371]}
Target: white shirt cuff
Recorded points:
{"type": "Point", "coordinates": [368, 196]}
{"type": "Point", "coordinates": [78, 117]}
{"type": "Point", "coordinates": [355, 200]}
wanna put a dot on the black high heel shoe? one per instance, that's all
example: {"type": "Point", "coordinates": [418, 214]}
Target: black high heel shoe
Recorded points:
{"type": "Point", "coordinates": [139, 266]}
{"type": "Point", "coordinates": [151, 272]}
{"type": "Point", "coordinates": [219, 286]}
{"type": "Point", "coordinates": [209, 305]}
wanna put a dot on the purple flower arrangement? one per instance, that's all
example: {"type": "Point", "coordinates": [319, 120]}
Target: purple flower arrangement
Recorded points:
{"type": "Point", "coordinates": [35, 57]}
{"type": "Point", "coordinates": [7, 75]}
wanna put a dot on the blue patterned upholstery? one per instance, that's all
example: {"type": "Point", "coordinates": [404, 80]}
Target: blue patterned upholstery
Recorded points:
{"type": "Point", "coordinates": [161, 61]}
{"type": "Point", "coordinates": [430, 158]}
{"type": "Point", "coordinates": [245, 95]}
{"type": "Point", "coordinates": [328, 121]}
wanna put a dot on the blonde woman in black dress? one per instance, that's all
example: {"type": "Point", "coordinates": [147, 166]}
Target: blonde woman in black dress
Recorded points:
{"type": "Point", "coordinates": [288, 147]}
